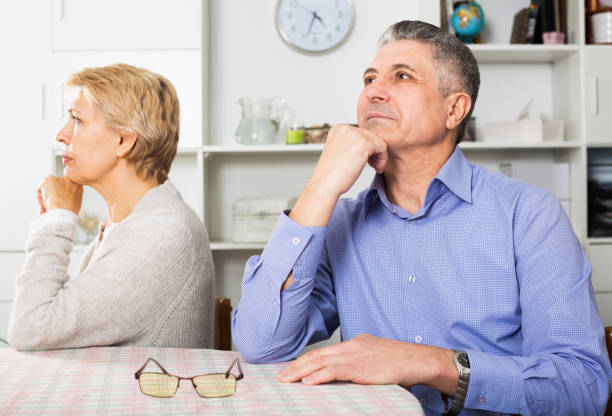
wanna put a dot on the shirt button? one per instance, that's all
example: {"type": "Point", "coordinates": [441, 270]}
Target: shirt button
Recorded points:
{"type": "Point", "coordinates": [418, 339]}
{"type": "Point", "coordinates": [423, 401]}
{"type": "Point", "coordinates": [277, 301]}
{"type": "Point", "coordinates": [298, 262]}
{"type": "Point", "coordinates": [411, 279]}
{"type": "Point", "coordinates": [295, 241]}
{"type": "Point", "coordinates": [482, 400]}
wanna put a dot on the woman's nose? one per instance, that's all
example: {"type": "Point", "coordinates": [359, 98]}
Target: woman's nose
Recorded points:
{"type": "Point", "coordinates": [65, 134]}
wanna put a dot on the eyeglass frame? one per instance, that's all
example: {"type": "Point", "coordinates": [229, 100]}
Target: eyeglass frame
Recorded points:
{"type": "Point", "coordinates": [238, 377]}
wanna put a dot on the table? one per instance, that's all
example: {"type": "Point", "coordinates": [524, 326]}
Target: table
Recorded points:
{"type": "Point", "coordinates": [101, 381]}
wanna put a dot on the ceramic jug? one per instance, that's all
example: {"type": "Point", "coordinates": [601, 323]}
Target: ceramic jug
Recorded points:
{"type": "Point", "coordinates": [261, 120]}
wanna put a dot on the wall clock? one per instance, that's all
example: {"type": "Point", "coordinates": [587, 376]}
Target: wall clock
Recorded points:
{"type": "Point", "coordinates": [314, 26]}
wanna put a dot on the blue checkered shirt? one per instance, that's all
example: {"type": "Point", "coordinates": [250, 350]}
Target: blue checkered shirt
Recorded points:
{"type": "Point", "coordinates": [489, 265]}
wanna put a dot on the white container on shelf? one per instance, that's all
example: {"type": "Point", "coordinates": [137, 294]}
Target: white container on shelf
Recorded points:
{"type": "Point", "coordinates": [601, 24]}
{"type": "Point", "coordinates": [525, 130]}
{"type": "Point", "coordinates": [253, 219]}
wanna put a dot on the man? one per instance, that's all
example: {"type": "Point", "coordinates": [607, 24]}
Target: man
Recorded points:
{"type": "Point", "coordinates": [444, 277]}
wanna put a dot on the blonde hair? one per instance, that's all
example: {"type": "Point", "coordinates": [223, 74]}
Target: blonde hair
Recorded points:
{"type": "Point", "coordinates": [136, 101]}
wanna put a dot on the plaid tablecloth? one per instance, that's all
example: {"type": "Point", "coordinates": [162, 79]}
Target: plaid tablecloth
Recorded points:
{"type": "Point", "coordinates": [101, 381]}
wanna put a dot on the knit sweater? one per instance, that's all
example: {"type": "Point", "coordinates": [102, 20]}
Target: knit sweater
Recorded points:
{"type": "Point", "coordinates": [150, 283]}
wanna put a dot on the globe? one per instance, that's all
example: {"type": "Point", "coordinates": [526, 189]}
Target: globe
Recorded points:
{"type": "Point", "coordinates": [468, 21]}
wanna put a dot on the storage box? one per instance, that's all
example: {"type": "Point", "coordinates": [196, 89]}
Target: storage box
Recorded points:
{"type": "Point", "coordinates": [525, 130]}
{"type": "Point", "coordinates": [253, 219]}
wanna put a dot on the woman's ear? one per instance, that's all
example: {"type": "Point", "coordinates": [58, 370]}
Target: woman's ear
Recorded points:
{"type": "Point", "coordinates": [458, 107]}
{"type": "Point", "coordinates": [125, 143]}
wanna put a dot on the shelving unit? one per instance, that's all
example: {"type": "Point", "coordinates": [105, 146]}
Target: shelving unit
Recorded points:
{"type": "Point", "coordinates": [206, 58]}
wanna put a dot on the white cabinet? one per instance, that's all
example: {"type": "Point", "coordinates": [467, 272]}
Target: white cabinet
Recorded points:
{"type": "Point", "coordinates": [128, 25]}
{"type": "Point", "coordinates": [182, 67]}
{"type": "Point", "coordinates": [5, 314]}
{"type": "Point", "coordinates": [599, 254]}
{"type": "Point", "coordinates": [24, 159]}
{"type": "Point", "coordinates": [598, 80]}
{"type": "Point", "coordinates": [598, 114]}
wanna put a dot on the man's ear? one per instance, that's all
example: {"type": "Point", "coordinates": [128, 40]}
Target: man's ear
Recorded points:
{"type": "Point", "coordinates": [458, 107]}
{"type": "Point", "coordinates": [125, 143]}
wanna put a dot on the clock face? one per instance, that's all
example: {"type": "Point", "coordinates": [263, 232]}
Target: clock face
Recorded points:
{"type": "Point", "coordinates": [314, 26]}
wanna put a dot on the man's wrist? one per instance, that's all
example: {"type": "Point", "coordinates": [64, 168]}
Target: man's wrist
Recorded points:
{"type": "Point", "coordinates": [314, 206]}
{"type": "Point", "coordinates": [462, 364]}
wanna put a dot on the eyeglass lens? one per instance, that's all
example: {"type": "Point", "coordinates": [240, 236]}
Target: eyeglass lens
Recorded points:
{"type": "Point", "coordinates": [158, 385]}
{"type": "Point", "coordinates": [215, 385]}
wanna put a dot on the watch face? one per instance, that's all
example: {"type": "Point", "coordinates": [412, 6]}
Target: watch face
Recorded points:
{"type": "Point", "coordinates": [314, 26]}
{"type": "Point", "coordinates": [463, 360]}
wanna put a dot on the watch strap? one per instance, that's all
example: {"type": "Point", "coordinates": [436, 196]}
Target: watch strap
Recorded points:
{"type": "Point", "coordinates": [464, 379]}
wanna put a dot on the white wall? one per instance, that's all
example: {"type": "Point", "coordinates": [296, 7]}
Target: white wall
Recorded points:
{"type": "Point", "coordinates": [248, 58]}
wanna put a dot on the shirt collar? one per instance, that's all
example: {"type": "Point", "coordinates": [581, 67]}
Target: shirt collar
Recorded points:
{"type": "Point", "coordinates": [456, 175]}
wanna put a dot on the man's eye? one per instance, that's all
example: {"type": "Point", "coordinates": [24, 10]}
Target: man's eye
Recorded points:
{"type": "Point", "coordinates": [368, 80]}
{"type": "Point", "coordinates": [402, 75]}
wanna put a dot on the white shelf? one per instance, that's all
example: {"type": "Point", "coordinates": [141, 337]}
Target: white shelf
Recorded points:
{"type": "Point", "coordinates": [230, 246]}
{"type": "Point", "coordinates": [316, 148]}
{"type": "Point", "coordinates": [599, 240]}
{"type": "Point", "coordinates": [599, 144]}
{"type": "Point", "coordinates": [518, 145]}
{"type": "Point", "coordinates": [521, 53]}
{"type": "Point", "coordinates": [272, 148]}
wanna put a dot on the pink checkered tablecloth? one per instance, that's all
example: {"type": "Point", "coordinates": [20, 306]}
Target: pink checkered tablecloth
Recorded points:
{"type": "Point", "coordinates": [101, 381]}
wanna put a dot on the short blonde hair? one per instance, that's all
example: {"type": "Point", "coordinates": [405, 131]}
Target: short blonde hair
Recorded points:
{"type": "Point", "coordinates": [136, 101]}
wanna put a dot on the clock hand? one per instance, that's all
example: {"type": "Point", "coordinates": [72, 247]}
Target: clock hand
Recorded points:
{"type": "Point", "coordinates": [300, 4]}
{"type": "Point", "coordinates": [311, 23]}
{"type": "Point", "coordinates": [316, 16]}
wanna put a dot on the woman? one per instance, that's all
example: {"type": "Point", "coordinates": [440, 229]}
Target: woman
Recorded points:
{"type": "Point", "coordinates": [148, 279]}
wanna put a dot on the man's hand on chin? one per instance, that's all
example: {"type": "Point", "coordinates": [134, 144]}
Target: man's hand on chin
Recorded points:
{"type": "Point", "coordinates": [366, 359]}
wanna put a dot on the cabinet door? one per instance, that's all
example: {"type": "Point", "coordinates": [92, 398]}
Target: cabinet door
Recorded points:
{"type": "Point", "coordinates": [127, 25]}
{"type": "Point", "coordinates": [598, 61]}
{"type": "Point", "coordinates": [11, 266]}
{"type": "Point", "coordinates": [24, 71]}
{"type": "Point", "coordinates": [5, 314]}
{"type": "Point", "coordinates": [601, 261]}
{"type": "Point", "coordinates": [182, 68]}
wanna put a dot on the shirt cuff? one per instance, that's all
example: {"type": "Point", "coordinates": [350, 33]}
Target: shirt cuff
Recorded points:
{"type": "Point", "coordinates": [494, 383]}
{"type": "Point", "coordinates": [53, 216]}
{"type": "Point", "coordinates": [290, 242]}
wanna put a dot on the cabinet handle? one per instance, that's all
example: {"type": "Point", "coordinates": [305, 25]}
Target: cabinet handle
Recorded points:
{"type": "Point", "coordinates": [60, 10]}
{"type": "Point", "coordinates": [43, 99]}
{"type": "Point", "coordinates": [594, 96]}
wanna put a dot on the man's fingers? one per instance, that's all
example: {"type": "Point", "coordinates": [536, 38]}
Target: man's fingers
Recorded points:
{"type": "Point", "coordinates": [331, 373]}
{"type": "Point", "coordinates": [303, 367]}
{"type": "Point", "coordinates": [378, 161]}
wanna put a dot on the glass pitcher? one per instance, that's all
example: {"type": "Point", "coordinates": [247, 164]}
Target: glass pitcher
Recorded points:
{"type": "Point", "coordinates": [261, 119]}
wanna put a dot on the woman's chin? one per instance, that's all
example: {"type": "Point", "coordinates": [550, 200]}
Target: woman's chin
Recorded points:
{"type": "Point", "coordinates": [70, 174]}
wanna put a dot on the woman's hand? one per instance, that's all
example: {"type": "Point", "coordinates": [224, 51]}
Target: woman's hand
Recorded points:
{"type": "Point", "coordinates": [59, 193]}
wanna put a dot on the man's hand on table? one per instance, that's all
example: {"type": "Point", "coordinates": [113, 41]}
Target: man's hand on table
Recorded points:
{"type": "Point", "coordinates": [59, 193]}
{"type": "Point", "coordinates": [366, 359]}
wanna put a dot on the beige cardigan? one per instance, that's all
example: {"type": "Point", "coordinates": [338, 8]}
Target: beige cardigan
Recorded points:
{"type": "Point", "coordinates": [150, 283]}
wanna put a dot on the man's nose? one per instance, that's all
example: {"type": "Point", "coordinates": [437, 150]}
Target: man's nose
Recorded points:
{"type": "Point", "coordinates": [378, 91]}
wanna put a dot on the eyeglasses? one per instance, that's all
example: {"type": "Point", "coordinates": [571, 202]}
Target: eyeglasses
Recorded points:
{"type": "Point", "coordinates": [206, 385]}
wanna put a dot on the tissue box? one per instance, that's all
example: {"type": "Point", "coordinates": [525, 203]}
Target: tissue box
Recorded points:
{"type": "Point", "coordinates": [253, 219]}
{"type": "Point", "coordinates": [525, 130]}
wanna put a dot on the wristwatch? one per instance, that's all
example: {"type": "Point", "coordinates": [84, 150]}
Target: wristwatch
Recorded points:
{"type": "Point", "coordinates": [463, 366]}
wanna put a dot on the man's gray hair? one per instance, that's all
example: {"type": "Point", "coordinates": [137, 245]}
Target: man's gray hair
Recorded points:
{"type": "Point", "coordinates": [457, 69]}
